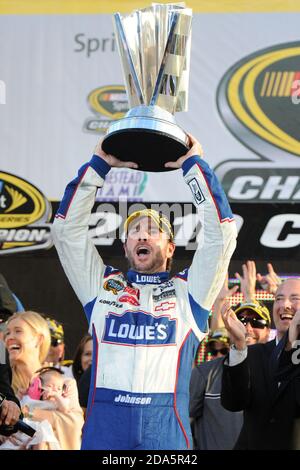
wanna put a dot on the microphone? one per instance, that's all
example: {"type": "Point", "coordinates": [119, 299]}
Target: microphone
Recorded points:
{"type": "Point", "coordinates": [6, 430]}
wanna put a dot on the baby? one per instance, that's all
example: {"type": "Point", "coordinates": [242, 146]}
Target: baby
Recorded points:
{"type": "Point", "coordinates": [49, 386]}
{"type": "Point", "coordinates": [46, 391]}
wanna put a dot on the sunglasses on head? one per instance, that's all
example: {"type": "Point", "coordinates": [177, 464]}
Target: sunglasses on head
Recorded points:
{"type": "Point", "coordinates": [215, 352]}
{"type": "Point", "coordinates": [254, 322]}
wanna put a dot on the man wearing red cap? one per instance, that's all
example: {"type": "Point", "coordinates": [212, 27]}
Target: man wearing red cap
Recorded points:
{"type": "Point", "coordinates": [145, 325]}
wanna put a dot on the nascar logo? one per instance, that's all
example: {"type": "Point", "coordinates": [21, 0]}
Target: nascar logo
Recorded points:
{"type": "Point", "coordinates": [256, 99]}
{"type": "Point", "coordinates": [108, 103]}
{"type": "Point", "coordinates": [113, 285]}
{"type": "Point", "coordinates": [24, 216]}
{"type": "Point", "coordinates": [139, 328]}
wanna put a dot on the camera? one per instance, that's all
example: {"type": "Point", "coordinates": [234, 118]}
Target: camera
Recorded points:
{"type": "Point", "coordinates": [7, 430]}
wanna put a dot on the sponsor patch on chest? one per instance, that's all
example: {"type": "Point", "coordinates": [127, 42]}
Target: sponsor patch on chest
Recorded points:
{"type": "Point", "coordinates": [130, 296]}
{"type": "Point", "coordinates": [164, 291]}
{"type": "Point", "coordinates": [164, 306]}
{"type": "Point", "coordinates": [139, 329]}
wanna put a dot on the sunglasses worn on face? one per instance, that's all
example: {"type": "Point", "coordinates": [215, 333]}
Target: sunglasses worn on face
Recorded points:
{"type": "Point", "coordinates": [254, 322]}
{"type": "Point", "coordinates": [55, 342]}
{"type": "Point", "coordinates": [215, 352]}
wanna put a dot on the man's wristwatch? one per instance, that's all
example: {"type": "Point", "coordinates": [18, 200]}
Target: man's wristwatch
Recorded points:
{"type": "Point", "coordinates": [2, 398]}
{"type": "Point", "coordinates": [236, 349]}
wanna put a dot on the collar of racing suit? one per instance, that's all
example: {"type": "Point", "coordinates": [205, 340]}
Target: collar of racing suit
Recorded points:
{"type": "Point", "coordinates": [141, 278]}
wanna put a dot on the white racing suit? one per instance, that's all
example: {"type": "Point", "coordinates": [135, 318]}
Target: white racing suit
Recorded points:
{"type": "Point", "coordinates": [146, 328]}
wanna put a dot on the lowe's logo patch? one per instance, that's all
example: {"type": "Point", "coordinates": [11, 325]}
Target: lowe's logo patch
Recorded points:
{"type": "Point", "coordinates": [139, 328]}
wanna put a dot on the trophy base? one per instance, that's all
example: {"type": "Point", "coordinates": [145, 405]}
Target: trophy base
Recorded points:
{"type": "Point", "coordinates": [148, 136]}
{"type": "Point", "coordinates": [149, 149]}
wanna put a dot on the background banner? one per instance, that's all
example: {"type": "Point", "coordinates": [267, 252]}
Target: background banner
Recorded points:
{"type": "Point", "coordinates": [61, 86]}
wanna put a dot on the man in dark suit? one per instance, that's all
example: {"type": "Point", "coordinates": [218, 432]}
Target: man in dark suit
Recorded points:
{"type": "Point", "coordinates": [250, 382]}
{"type": "Point", "coordinates": [9, 404]}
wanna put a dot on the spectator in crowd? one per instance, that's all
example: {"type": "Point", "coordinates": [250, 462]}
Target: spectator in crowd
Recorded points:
{"type": "Point", "coordinates": [9, 404]}
{"type": "Point", "coordinates": [248, 281]}
{"type": "Point", "coordinates": [257, 320]}
{"type": "Point", "coordinates": [53, 397]}
{"type": "Point", "coordinates": [218, 343]}
{"type": "Point", "coordinates": [9, 301]}
{"type": "Point", "coordinates": [249, 381]}
{"type": "Point", "coordinates": [46, 391]}
{"type": "Point", "coordinates": [213, 426]}
{"type": "Point", "coordinates": [27, 341]}
{"type": "Point", "coordinates": [82, 369]}
{"type": "Point", "coordinates": [9, 304]}
{"type": "Point", "coordinates": [84, 388]}
{"type": "Point", "coordinates": [287, 374]}
{"type": "Point", "coordinates": [56, 354]}
{"type": "Point", "coordinates": [216, 320]}
{"type": "Point", "coordinates": [83, 357]}
{"type": "Point", "coordinates": [269, 282]}
{"type": "Point", "coordinates": [27, 338]}
{"type": "Point", "coordinates": [10, 411]}
{"type": "Point", "coordinates": [49, 386]}
{"type": "Point", "coordinates": [141, 392]}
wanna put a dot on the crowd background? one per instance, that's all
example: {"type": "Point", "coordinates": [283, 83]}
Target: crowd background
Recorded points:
{"type": "Point", "coordinates": [42, 342]}
{"type": "Point", "coordinates": [35, 272]}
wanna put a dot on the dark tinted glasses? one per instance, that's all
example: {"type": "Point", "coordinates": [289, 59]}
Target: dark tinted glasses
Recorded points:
{"type": "Point", "coordinates": [55, 342]}
{"type": "Point", "coordinates": [223, 351]}
{"type": "Point", "coordinates": [254, 322]}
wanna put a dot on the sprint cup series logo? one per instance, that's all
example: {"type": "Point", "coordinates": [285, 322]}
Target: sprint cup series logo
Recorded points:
{"type": "Point", "coordinates": [256, 100]}
{"type": "Point", "coordinates": [109, 103]}
{"type": "Point", "coordinates": [24, 213]}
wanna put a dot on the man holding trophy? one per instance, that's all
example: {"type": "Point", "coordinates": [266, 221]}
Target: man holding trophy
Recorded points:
{"type": "Point", "coordinates": [146, 326]}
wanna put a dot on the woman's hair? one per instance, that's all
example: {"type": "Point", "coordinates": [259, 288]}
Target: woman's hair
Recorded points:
{"type": "Point", "coordinates": [76, 366]}
{"type": "Point", "coordinates": [40, 328]}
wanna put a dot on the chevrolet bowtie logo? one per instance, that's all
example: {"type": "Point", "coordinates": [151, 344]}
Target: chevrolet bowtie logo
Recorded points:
{"type": "Point", "coordinates": [164, 306]}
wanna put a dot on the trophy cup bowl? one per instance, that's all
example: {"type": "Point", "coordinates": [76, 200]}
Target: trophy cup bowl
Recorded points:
{"type": "Point", "coordinates": [154, 46]}
{"type": "Point", "coordinates": [147, 135]}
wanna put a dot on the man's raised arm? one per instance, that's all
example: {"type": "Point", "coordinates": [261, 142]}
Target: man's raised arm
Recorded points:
{"type": "Point", "coordinates": [207, 273]}
{"type": "Point", "coordinates": [78, 254]}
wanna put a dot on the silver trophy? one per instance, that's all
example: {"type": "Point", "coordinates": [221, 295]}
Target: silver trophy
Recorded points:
{"type": "Point", "coordinates": [154, 46]}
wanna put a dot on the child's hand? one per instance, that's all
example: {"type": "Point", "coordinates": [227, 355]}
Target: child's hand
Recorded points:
{"type": "Point", "coordinates": [67, 389]}
{"type": "Point", "coordinates": [48, 394]}
{"type": "Point", "coordinates": [25, 410]}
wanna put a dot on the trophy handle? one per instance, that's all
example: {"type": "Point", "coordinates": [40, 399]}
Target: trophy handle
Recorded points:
{"type": "Point", "coordinates": [158, 84]}
{"type": "Point", "coordinates": [125, 46]}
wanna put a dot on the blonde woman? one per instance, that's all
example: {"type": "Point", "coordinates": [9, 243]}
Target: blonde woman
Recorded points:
{"type": "Point", "coordinates": [27, 339]}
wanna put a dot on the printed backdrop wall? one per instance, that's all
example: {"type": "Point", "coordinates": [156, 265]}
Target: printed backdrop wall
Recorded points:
{"type": "Point", "coordinates": [64, 85]}
{"type": "Point", "coordinates": [61, 85]}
